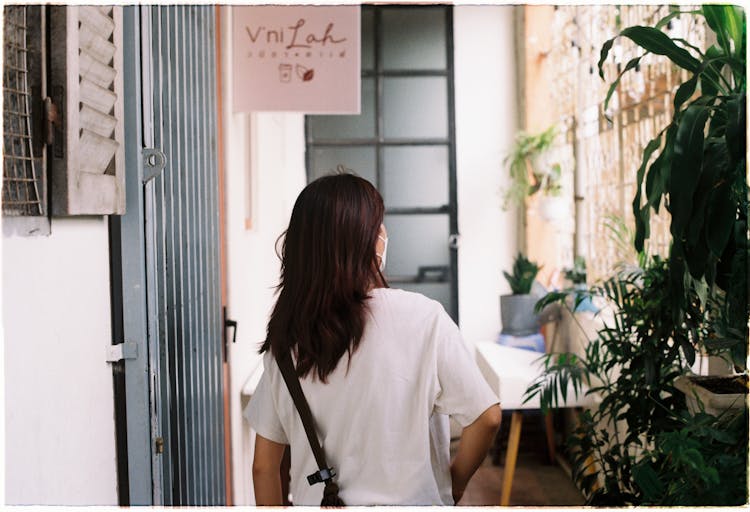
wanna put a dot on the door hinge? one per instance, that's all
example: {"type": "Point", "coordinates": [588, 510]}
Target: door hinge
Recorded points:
{"type": "Point", "coordinates": [159, 445]}
{"type": "Point", "coordinates": [51, 121]}
{"type": "Point", "coordinates": [154, 162]}
{"type": "Point", "coordinates": [120, 351]}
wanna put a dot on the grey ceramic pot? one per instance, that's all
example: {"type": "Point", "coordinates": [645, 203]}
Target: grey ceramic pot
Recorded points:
{"type": "Point", "coordinates": [517, 315]}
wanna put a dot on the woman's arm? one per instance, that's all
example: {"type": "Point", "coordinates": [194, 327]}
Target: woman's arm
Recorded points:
{"type": "Point", "coordinates": [266, 474]}
{"type": "Point", "coordinates": [472, 448]}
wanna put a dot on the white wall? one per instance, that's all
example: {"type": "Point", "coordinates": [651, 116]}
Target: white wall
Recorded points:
{"type": "Point", "coordinates": [59, 404]}
{"type": "Point", "coordinates": [486, 122]}
{"type": "Point", "coordinates": [264, 154]}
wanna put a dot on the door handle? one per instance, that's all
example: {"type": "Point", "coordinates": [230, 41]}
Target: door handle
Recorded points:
{"type": "Point", "coordinates": [233, 325]}
{"type": "Point", "coordinates": [227, 324]}
{"type": "Point", "coordinates": [454, 241]}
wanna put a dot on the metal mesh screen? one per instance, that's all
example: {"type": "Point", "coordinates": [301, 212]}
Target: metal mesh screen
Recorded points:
{"type": "Point", "coordinates": [23, 185]}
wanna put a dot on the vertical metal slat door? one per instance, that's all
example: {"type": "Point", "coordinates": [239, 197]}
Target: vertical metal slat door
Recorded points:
{"type": "Point", "coordinates": [182, 255]}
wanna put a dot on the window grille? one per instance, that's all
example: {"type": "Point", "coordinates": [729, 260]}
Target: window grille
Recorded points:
{"type": "Point", "coordinates": [23, 163]}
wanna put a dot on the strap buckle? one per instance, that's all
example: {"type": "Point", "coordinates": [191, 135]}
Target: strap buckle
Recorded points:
{"type": "Point", "coordinates": [322, 475]}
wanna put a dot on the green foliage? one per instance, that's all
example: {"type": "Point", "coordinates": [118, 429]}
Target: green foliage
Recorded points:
{"type": "Point", "coordinates": [697, 465]}
{"type": "Point", "coordinates": [524, 273]}
{"type": "Point", "coordinates": [632, 365]}
{"type": "Point", "coordinates": [697, 164]}
{"type": "Point", "coordinates": [623, 237]}
{"type": "Point", "coordinates": [696, 300]}
{"type": "Point", "coordinates": [524, 163]}
{"type": "Point", "coordinates": [577, 273]}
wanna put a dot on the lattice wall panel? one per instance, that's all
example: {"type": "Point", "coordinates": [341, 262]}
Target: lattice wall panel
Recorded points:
{"type": "Point", "coordinates": [608, 145]}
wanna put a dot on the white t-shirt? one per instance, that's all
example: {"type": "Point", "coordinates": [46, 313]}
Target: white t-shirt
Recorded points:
{"type": "Point", "coordinates": [383, 425]}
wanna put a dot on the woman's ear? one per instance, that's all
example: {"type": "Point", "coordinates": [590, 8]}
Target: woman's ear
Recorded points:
{"type": "Point", "coordinates": [380, 243]}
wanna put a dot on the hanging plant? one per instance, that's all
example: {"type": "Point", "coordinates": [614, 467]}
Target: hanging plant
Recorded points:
{"type": "Point", "coordinates": [530, 171]}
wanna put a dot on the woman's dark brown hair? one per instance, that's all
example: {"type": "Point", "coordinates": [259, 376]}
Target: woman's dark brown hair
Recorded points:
{"type": "Point", "coordinates": [328, 265]}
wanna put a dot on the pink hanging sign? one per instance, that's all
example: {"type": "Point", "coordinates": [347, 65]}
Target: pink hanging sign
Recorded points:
{"type": "Point", "coordinates": [298, 58]}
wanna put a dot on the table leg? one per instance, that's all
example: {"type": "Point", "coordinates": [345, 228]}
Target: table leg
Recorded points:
{"type": "Point", "coordinates": [549, 428]}
{"type": "Point", "coordinates": [510, 458]}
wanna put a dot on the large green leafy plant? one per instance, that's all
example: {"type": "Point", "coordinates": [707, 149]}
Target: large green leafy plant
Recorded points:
{"type": "Point", "coordinates": [696, 166]}
{"type": "Point", "coordinates": [632, 364]}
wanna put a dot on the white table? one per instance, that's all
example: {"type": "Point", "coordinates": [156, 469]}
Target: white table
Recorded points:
{"type": "Point", "coordinates": [509, 371]}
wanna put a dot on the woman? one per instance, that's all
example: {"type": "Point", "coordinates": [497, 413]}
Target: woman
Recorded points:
{"type": "Point", "coordinates": [381, 368]}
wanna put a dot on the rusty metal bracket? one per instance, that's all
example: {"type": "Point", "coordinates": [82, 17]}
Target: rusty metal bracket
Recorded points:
{"type": "Point", "coordinates": [51, 119]}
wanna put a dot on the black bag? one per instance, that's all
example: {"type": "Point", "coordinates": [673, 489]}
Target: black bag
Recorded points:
{"type": "Point", "coordinates": [324, 474]}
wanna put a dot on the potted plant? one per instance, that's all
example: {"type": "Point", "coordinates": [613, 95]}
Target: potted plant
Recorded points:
{"type": "Point", "coordinates": [624, 450]}
{"type": "Point", "coordinates": [517, 310]}
{"type": "Point", "coordinates": [577, 276]}
{"type": "Point", "coordinates": [531, 171]}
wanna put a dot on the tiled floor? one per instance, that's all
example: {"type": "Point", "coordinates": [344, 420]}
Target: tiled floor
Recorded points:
{"type": "Point", "coordinates": [536, 481]}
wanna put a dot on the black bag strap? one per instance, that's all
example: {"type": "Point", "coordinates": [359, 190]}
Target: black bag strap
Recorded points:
{"type": "Point", "coordinates": [324, 474]}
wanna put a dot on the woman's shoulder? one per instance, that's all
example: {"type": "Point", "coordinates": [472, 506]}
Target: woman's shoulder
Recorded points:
{"type": "Point", "coordinates": [406, 302]}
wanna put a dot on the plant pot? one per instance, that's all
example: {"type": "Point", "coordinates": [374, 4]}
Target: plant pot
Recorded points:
{"type": "Point", "coordinates": [517, 314]}
{"type": "Point", "coordinates": [586, 304]}
{"type": "Point", "coordinates": [713, 394]}
{"type": "Point", "coordinates": [553, 208]}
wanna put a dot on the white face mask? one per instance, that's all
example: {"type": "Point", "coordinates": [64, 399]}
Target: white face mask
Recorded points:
{"type": "Point", "coordinates": [385, 251]}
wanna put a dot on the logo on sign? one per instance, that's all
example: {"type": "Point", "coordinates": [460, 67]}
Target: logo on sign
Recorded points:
{"type": "Point", "coordinates": [296, 58]}
{"type": "Point", "coordinates": [294, 42]}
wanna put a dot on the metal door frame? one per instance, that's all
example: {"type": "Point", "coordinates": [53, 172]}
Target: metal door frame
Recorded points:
{"type": "Point", "coordinates": [133, 266]}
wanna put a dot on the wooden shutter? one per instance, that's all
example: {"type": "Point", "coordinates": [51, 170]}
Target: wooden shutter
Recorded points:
{"type": "Point", "coordinates": [86, 87]}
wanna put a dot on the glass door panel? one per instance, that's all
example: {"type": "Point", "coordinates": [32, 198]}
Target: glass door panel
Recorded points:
{"type": "Point", "coordinates": [360, 159]}
{"type": "Point", "coordinates": [368, 40]}
{"type": "Point", "coordinates": [415, 177]}
{"type": "Point", "coordinates": [403, 142]}
{"type": "Point", "coordinates": [417, 247]}
{"type": "Point", "coordinates": [415, 107]}
{"type": "Point", "coordinates": [413, 39]}
{"type": "Point", "coordinates": [361, 126]}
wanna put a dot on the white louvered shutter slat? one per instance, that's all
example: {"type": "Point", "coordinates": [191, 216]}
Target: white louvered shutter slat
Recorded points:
{"type": "Point", "coordinates": [97, 97]}
{"type": "Point", "coordinates": [96, 152]}
{"type": "Point", "coordinates": [92, 42]}
{"type": "Point", "coordinates": [95, 121]}
{"type": "Point", "coordinates": [87, 65]}
{"type": "Point", "coordinates": [98, 73]}
{"type": "Point", "coordinates": [102, 23]}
